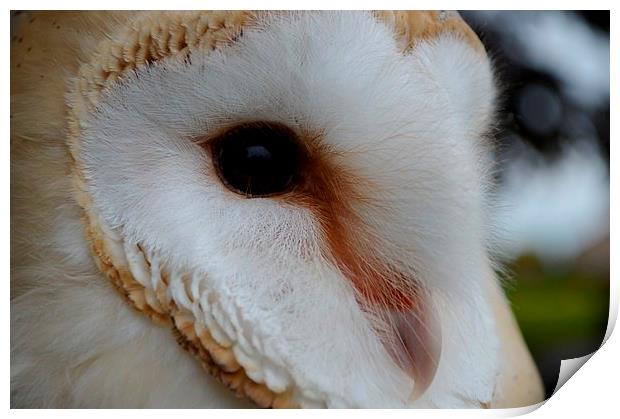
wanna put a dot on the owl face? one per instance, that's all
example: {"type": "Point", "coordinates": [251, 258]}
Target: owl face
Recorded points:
{"type": "Point", "coordinates": [309, 200]}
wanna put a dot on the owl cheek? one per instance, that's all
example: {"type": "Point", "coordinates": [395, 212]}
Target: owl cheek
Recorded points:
{"type": "Point", "coordinates": [398, 309]}
{"type": "Point", "coordinates": [396, 304]}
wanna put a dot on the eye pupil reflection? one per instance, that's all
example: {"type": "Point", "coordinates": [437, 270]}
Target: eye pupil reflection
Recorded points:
{"type": "Point", "coordinates": [258, 152]}
{"type": "Point", "coordinates": [257, 159]}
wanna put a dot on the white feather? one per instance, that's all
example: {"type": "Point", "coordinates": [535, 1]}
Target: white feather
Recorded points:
{"type": "Point", "coordinates": [413, 124]}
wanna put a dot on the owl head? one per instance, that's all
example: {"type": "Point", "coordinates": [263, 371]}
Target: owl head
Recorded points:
{"type": "Point", "coordinates": [301, 196]}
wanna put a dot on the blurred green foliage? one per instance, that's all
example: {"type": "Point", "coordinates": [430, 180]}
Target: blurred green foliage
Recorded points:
{"type": "Point", "coordinates": [562, 311]}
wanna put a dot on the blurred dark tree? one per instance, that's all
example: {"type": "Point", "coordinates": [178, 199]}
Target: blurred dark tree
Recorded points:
{"type": "Point", "coordinates": [562, 310]}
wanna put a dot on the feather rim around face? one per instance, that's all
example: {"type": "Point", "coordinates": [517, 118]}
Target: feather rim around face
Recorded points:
{"type": "Point", "coordinates": [153, 36]}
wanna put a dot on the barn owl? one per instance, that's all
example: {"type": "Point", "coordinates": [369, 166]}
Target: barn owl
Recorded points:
{"type": "Point", "coordinates": [274, 209]}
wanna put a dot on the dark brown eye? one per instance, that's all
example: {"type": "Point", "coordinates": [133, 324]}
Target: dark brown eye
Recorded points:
{"type": "Point", "coordinates": [257, 159]}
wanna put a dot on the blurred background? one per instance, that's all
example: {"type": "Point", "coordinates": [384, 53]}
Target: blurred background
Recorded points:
{"type": "Point", "coordinates": [552, 219]}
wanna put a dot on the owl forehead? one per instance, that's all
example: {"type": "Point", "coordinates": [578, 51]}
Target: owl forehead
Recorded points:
{"type": "Point", "coordinates": [153, 36]}
{"type": "Point", "coordinates": [149, 37]}
{"type": "Point", "coordinates": [169, 37]}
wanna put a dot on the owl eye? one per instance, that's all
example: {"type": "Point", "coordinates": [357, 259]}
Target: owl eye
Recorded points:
{"type": "Point", "coordinates": [257, 159]}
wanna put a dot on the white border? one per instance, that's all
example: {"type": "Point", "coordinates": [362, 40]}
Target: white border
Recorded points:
{"type": "Point", "coordinates": [593, 389]}
{"type": "Point", "coordinates": [297, 4]}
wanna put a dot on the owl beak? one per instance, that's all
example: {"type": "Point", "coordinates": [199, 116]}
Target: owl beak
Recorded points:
{"type": "Point", "coordinates": [401, 315]}
{"type": "Point", "coordinates": [414, 343]}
